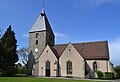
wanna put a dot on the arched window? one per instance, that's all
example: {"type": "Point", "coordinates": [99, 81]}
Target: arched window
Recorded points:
{"type": "Point", "coordinates": [69, 67]}
{"type": "Point", "coordinates": [36, 42]}
{"type": "Point", "coordinates": [36, 35]}
{"type": "Point", "coordinates": [95, 66]}
{"type": "Point", "coordinates": [47, 68]}
{"type": "Point", "coordinates": [47, 64]}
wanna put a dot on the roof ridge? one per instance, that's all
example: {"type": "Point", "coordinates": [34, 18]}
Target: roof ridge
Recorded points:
{"type": "Point", "coordinates": [61, 44]}
{"type": "Point", "coordinates": [81, 42]}
{"type": "Point", "coordinates": [90, 42]}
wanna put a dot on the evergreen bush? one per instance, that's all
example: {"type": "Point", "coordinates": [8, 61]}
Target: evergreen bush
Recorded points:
{"type": "Point", "coordinates": [22, 70]}
{"type": "Point", "coordinates": [99, 74]}
{"type": "Point", "coordinates": [109, 75]}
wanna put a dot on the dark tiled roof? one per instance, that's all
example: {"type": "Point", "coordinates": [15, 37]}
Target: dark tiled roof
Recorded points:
{"type": "Point", "coordinates": [59, 49]}
{"type": "Point", "coordinates": [88, 50]}
{"type": "Point", "coordinates": [93, 50]}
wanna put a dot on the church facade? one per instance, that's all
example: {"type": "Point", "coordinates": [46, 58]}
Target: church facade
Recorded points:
{"type": "Point", "coordinates": [80, 60]}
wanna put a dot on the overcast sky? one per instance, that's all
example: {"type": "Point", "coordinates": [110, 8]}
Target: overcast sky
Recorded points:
{"type": "Point", "coordinates": [71, 20]}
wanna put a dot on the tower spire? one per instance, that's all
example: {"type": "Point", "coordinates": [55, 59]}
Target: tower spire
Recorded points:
{"type": "Point", "coordinates": [43, 4]}
{"type": "Point", "coordinates": [43, 10]}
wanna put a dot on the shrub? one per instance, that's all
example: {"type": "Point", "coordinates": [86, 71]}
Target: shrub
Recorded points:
{"type": "Point", "coordinates": [99, 74]}
{"type": "Point", "coordinates": [117, 71]}
{"type": "Point", "coordinates": [109, 75]}
{"type": "Point", "coordinates": [0, 71]}
{"type": "Point", "coordinates": [22, 70]}
{"type": "Point", "coordinates": [10, 71]}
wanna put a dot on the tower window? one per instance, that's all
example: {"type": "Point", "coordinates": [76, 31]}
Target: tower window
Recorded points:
{"type": "Point", "coordinates": [36, 42]}
{"type": "Point", "coordinates": [36, 35]}
{"type": "Point", "coordinates": [49, 37]}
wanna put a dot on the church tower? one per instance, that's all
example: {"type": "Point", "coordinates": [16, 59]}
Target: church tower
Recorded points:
{"type": "Point", "coordinates": [40, 35]}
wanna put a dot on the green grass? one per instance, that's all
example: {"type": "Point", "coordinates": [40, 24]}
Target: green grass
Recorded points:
{"type": "Point", "coordinates": [31, 79]}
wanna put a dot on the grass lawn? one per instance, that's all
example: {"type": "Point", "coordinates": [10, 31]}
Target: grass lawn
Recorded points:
{"type": "Point", "coordinates": [31, 79]}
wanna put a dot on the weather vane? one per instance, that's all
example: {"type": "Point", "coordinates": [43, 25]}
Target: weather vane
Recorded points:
{"type": "Point", "coordinates": [43, 4]}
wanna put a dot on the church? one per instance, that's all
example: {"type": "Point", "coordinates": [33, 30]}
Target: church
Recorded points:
{"type": "Point", "coordinates": [77, 60]}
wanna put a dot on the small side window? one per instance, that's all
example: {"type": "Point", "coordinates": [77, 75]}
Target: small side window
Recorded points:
{"type": "Point", "coordinates": [69, 49]}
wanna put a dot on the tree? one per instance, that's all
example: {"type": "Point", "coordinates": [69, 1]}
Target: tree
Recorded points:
{"type": "Point", "coordinates": [23, 59]}
{"type": "Point", "coordinates": [0, 32]}
{"type": "Point", "coordinates": [23, 55]}
{"type": "Point", "coordinates": [2, 56]}
{"type": "Point", "coordinates": [1, 51]}
{"type": "Point", "coordinates": [9, 45]}
{"type": "Point", "coordinates": [117, 71]}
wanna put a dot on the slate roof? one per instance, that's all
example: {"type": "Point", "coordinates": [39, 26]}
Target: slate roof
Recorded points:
{"type": "Point", "coordinates": [41, 23]}
{"type": "Point", "coordinates": [88, 50]}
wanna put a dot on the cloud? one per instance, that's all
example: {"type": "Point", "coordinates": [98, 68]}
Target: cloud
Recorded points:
{"type": "Point", "coordinates": [92, 3]}
{"type": "Point", "coordinates": [103, 1]}
{"type": "Point", "coordinates": [97, 2]}
{"type": "Point", "coordinates": [61, 38]}
{"type": "Point", "coordinates": [25, 35]}
{"type": "Point", "coordinates": [115, 51]}
{"type": "Point", "coordinates": [60, 35]}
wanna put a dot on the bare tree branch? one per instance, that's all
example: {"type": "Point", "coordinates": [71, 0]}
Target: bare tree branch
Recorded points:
{"type": "Point", "coordinates": [23, 55]}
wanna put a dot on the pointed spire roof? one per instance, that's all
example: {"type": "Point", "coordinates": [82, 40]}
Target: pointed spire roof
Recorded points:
{"type": "Point", "coordinates": [41, 23]}
{"type": "Point", "coordinates": [43, 10]}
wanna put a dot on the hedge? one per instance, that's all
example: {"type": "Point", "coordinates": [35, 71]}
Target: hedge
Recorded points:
{"type": "Point", "coordinates": [109, 75]}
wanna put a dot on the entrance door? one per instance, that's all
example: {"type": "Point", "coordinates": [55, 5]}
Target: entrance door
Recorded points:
{"type": "Point", "coordinates": [47, 72]}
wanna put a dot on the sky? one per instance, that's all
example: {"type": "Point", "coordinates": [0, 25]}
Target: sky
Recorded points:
{"type": "Point", "coordinates": [71, 20]}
